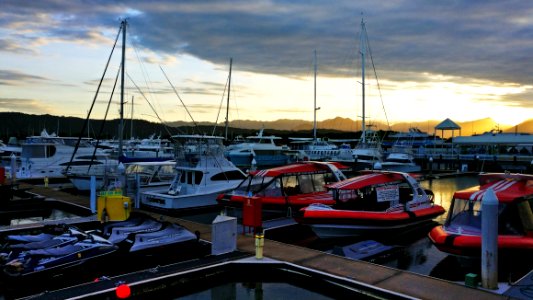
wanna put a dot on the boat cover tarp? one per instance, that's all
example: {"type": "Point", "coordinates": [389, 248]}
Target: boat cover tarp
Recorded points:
{"type": "Point", "coordinates": [297, 168]}
{"type": "Point", "coordinates": [507, 188]}
{"type": "Point", "coordinates": [358, 182]}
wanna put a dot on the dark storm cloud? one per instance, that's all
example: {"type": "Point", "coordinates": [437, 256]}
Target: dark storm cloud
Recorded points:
{"type": "Point", "coordinates": [470, 39]}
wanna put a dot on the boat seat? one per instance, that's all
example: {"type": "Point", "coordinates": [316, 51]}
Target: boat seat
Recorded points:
{"type": "Point", "coordinates": [44, 244]}
{"type": "Point", "coordinates": [62, 251]}
{"type": "Point", "coordinates": [30, 238]}
{"type": "Point", "coordinates": [171, 230]}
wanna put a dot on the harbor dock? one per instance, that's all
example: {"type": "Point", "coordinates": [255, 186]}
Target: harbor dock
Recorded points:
{"type": "Point", "coordinates": [398, 281]}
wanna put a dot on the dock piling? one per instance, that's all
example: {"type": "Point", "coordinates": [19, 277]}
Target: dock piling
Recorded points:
{"type": "Point", "coordinates": [489, 240]}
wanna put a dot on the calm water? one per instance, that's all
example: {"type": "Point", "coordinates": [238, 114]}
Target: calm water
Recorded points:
{"type": "Point", "coordinates": [444, 188]}
{"type": "Point", "coordinates": [256, 291]}
{"type": "Point", "coordinates": [55, 214]}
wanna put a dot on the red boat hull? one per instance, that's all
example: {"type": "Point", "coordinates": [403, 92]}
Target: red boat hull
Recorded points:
{"type": "Point", "coordinates": [470, 245]}
{"type": "Point", "coordinates": [295, 202]}
{"type": "Point", "coordinates": [343, 223]}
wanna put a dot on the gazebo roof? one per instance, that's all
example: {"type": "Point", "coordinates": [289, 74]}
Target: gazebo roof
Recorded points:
{"type": "Point", "coordinates": [447, 125]}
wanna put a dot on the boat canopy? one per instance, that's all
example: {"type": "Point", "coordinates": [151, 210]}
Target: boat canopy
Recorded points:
{"type": "Point", "coordinates": [297, 168]}
{"type": "Point", "coordinates": [370, 179]}
{"type": "Point", "coordinates": [507, 188]}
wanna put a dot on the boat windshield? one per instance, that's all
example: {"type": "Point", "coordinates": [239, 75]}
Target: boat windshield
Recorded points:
{"type": "Point", "coordinates": [465, 218]}
{"type": "Point", "coordinates": [252, 184]}
{"type": "Point", "coordinates": [304, 183]}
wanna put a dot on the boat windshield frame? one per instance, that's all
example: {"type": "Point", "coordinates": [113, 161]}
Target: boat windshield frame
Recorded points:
{"type": "Point", "coordinates": [464, 217]}
{"type": "Point", "coordinates": [253, 184]}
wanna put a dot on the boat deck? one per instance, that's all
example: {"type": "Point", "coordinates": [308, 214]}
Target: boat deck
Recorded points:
{"type": "Point", "coordinates": [404, 282]}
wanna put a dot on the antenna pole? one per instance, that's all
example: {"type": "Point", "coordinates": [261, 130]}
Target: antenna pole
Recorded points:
{"type": "Point", "coordinates": [227, 105]}
{"type": "Point", "coordinates": [363, 50]}
{"type": "Point", "coordinates": [121, 126]}
{"type": "Point", "coordinates": [314, 106]}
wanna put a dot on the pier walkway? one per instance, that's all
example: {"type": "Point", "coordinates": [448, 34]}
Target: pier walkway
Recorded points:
{"type": "Point", "coordinates": [404, 282]}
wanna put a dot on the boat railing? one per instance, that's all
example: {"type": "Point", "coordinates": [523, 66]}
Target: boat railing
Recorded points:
{"type": "Point", "coordinates": [479, 157]}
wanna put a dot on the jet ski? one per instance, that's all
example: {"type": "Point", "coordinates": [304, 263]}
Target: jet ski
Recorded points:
{"type": "Point", "coordinates": [39, 241]}
{"type": "Point", "coordinates": [170, 235]}
{"type": "Point", "coordinates": [48, 261]}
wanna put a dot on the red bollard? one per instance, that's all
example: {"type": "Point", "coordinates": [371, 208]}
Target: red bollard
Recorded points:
{"type": "Point", "coordinates": [252, 213]}
{"type": "Point", "coordinates": [2, 175]}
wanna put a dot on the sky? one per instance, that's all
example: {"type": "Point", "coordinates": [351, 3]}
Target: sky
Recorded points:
{"type": "Point", "coordinates": [426, 60]}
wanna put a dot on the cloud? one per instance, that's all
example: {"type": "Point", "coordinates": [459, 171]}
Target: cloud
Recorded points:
{"type": "Point", "coordinates": [490, 40]}
{"type": "Point", "coordinates": [10, 77]}
{"type": "Point", "coordinates": [25, 105]}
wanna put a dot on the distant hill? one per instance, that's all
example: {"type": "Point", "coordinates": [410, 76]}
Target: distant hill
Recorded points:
{"type": "Point", "coordinates": [526, 126]}
{"type": "Point", "coordinates": [349, 125]}
{"type": "Point", "coordinates": [22, 125]}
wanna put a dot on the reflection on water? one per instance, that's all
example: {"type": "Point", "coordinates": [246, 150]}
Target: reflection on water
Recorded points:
{"type": "Point", "coordinates": [257, 291]}
{"type": "Point", "coordinates": [55, 214]}
{"type": "Point", "coordinates": [443, 189]}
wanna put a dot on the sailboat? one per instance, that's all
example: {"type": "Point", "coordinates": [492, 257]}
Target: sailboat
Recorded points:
{"type": "Point", "coordinates": [368, 152]}
{"type": "Point", "coordinates": [154, 171]}
{"type": "Point", "coordinates": [315, 149]}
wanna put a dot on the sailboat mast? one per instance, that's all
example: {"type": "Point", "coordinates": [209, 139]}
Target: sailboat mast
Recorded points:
{"type": "Point", "coordinates": [131, 121]}
{"type": "Point", "coordinates": [227, 103]}
{"type": "Point", "coordinates": [363, 52]}
{"type": "Point", "coordinates": [123, 64]}
{"type": "Point", "coordinates": [314, 105]}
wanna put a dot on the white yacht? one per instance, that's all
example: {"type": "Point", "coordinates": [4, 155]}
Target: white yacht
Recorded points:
{"type": "Point", "coordinates": [259, 150]}
{"type": "Point", "coordinates": [107, 172]}
{"type": "Point", "coordinates": [47, 155]}
{"type": "Point", "coordinates": [151, 147]}
{"type": "Point", "coordinates": [202, 173]}
{"type": "Point", "coordinates": [315, 149]}
{"type": "Point", "coordinates": [399, 162]}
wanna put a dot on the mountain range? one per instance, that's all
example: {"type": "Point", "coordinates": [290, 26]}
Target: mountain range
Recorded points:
{"type": "Point", "coordinates": [21, 125]}
{"type": "Point", "coordinates": [349, 125]}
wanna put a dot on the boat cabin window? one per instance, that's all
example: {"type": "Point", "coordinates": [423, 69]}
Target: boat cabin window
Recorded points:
{"type": "Point", "coordinates": [525, 210]}
{"type": "Point", "coordinates": [466, 215]}
{"type": "Point", "coordinates": [38, 151]}
{"type": "Point", "coordinates": [252, 184]}
{"type": "Point", "coordinates": [230, 175]}
{"type": "Point", "coordinates": [304, 184]}
{"type": "Point", "coordinates": [272, 190]}
{"type": "Point", "coordinates": [164, 173]}
{"type": "Point", "coordinates": [191, 177]}
{"type": "Point", "coordinates": [509, 222]}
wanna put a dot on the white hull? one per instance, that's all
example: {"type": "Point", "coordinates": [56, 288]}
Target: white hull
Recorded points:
{"type": "Point", "coordinates": [83, 183]}
{"type": "Point", "coordinates": [173, 202]}
{"type": "Point", "coordinates": [406, 168]}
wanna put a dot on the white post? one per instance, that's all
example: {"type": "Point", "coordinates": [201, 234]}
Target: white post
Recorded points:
{"type": "Point", "coordinates": [122, 177]}
{"type": "Point", "coordinates": [489, 240]}
{"type": "Point", "coordinates": [13, 167]}
{"type": "Point", "coordinates": [93, 194]}
{"type": "Point", "coordinates": [137, 190]}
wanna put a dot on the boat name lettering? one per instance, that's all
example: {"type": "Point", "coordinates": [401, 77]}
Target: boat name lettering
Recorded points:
{"type": "Point", "coordinates": [388, 193]}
